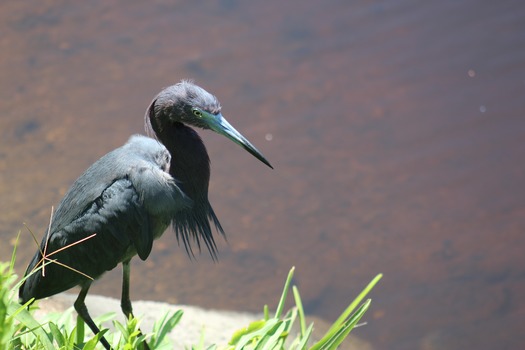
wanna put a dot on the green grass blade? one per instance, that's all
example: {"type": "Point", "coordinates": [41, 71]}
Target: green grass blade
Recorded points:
{"type": "Point", "coordinates": [300, 310]}
{"type": "Point", "coordinates": [256, 334]}
{"type": "Point", "coordinates": [280, 306]}
{"type": "Point", "coordinates": [23, 316]}
{"type": "Point", "coordinates": [301, 341]}
{"type": "Point", "coordinates": [342, 319]}
{"type": "Point", "coordinates": [356, 302]}
{"type": "Point", "coordinates": [80, 332]}
{"type": "Point", "coordinates": [253, 326]}
{"type": "Point", "coordinates": [108, 316]}
{"type": "Point", "coordinates": [93, 342]}
{"type": "Point", "coordinates": [57, 334]}
{"type": "Point", "coordinates": [270, 340]}
{"type": "Point", "coordinates": [164, 326]}
{"type": "Point", "coordinates": [13, 256]}
{"type": "Point", "coordinates": [340, 335]}
{"type": "Point", "coordinates": [266, 313]}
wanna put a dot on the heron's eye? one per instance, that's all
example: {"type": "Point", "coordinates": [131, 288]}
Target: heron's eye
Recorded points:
{"type": "Point", "coordinates": [197, 113]}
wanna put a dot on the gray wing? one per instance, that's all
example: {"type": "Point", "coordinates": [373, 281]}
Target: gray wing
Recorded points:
{"type": "Point", "coordinates": [121, 226]}
{"type": "Point", "coordinates": [141, 159]}
{"type": "Point", "coordinates": [127, 198]}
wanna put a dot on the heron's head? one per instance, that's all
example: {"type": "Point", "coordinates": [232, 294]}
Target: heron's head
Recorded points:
{"type": "Point", "coordinates": [190, 104]}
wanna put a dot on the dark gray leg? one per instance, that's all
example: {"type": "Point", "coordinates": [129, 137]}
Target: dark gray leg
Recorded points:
{"type": "Point", "coordinates": [80, 307]}
{"type": "Point", "coordinates": [125, 302]}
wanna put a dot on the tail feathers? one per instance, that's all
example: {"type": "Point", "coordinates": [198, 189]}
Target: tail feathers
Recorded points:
{"type": "Point", "coordinates": [33, 276]}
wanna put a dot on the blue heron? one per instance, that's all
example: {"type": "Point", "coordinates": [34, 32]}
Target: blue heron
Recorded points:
{"type": "Point", "coordinates": [130, 196]}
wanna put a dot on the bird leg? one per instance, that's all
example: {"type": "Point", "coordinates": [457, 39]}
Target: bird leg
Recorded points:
{"type": "Point", "coordinates": [125, 302]}
{"type": "Point", "coordinates": [80, 307]}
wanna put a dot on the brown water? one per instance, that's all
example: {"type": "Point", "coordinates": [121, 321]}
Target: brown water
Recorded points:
{"type": "Point", "coordinates": [396, 130]}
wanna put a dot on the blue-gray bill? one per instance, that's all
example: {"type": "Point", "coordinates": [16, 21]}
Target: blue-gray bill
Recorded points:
{"type": "Point", "coordinates": [221, 126]}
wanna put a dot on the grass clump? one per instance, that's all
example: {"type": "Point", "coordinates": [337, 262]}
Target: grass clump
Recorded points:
{"type": "Point", "coordinates": [273, 332]}
{"type": "Point", "coordinates": [19, 330]}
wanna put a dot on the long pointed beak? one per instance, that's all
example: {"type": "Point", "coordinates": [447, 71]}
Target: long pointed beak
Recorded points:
{"type": "Point", "coordinates": [221, 126]}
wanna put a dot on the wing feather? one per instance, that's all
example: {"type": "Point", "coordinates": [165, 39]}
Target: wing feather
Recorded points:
{"type": "Point", "coordinates": [127, 198]}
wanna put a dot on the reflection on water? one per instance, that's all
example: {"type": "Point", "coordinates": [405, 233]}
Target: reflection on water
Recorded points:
{"type": "Point", "coordinates": [396, 135]}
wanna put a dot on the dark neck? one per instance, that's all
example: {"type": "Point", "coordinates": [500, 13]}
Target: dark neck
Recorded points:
{"type": "Point", "coordinates": [190, 164]}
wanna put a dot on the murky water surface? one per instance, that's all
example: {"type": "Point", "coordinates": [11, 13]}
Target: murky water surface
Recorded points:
{"type": "Point", "coordinates": [397, 132]}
